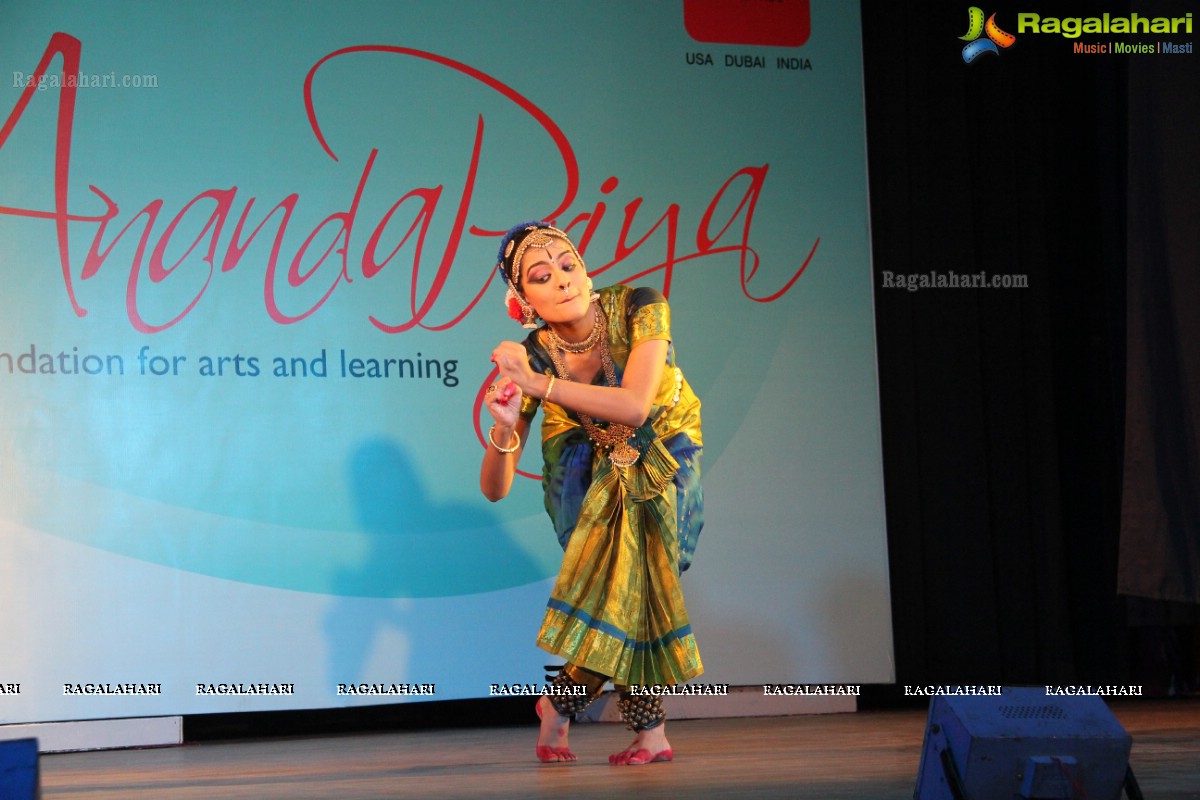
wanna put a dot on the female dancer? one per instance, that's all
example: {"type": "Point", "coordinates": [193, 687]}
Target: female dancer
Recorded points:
{"type": "Point", "coordinates": [621, 447]}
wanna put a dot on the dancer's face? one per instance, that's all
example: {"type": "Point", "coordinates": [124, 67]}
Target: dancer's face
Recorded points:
{"type": "Point", "coordinates": [554, 283]}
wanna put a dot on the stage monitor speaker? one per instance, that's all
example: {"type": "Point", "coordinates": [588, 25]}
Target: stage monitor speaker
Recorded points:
{"type": "Point", "coordinates": [1022, 743]}
{"type": "Point", "coordinates": [19, 769]}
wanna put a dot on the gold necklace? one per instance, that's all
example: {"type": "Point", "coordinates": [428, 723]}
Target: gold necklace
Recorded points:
{"type": "Point", "coordinates": [613, 439]}
{"type": "Point", "coordinates": [582, 346]}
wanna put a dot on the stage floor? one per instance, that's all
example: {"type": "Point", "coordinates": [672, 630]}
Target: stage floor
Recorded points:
{"type": "Point", "coordinates": [869, 755]}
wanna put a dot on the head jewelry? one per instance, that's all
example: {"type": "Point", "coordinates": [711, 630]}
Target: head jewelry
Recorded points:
{"type": "Point", "coordinates": [516, 241]}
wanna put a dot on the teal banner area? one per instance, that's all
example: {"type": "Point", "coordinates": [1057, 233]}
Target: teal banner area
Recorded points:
{"type": "Point", "coordinates": [247, 255]}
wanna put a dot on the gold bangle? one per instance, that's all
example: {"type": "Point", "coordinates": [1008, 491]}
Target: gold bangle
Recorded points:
{"type": "Point", "coordinates": [512, 449]}
{"type": "Point", "coordinates": [549, 388]}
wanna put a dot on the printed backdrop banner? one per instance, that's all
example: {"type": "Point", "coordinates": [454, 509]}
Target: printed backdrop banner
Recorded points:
{"type": "Point", "coordinates": [249, 300]}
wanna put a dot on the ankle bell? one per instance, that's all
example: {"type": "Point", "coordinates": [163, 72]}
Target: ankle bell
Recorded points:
{"type": "Point", "coordinates": [641, 711]}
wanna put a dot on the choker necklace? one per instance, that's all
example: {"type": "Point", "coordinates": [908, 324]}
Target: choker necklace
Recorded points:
{"type": "Point", "coordinates": [613, 439]}
{"type": "Point", "coordinates": [581, 346]}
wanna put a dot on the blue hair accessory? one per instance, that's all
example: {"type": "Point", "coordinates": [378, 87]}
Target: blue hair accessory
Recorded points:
{"type": "Point", "coordinates": [506, 242]}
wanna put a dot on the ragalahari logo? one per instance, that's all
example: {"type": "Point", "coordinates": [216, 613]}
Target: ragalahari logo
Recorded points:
{"type": "Point", "coordinates": [976, 28]}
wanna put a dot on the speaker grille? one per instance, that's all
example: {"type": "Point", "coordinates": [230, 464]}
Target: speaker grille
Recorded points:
{"type": "Point", "coordinates": [1044, 711]}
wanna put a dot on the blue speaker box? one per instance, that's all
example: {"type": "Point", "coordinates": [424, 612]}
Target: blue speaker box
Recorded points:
{"type": "Point", "coordinates": [19, 769]}
{"type": "Point", "coordinates": [1024, 744]}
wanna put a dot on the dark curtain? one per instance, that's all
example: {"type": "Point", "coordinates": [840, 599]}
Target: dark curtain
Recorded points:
{"type": "Point", "coordinates": [1159, 566]}
{"type": "Point", "coordinates": [1002, 409]}
{"type": "Point", "coordinates": [1160, 519]}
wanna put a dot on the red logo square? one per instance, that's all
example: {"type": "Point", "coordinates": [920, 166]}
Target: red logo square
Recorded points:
{"type": "Point", "coordinates": [777, 23]}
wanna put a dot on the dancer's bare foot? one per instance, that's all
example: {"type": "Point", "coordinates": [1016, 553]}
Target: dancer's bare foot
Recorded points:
{"type": "Point", "coordinates": [552, 736]}
{"type": "Point", "coordinates": [647, 747]}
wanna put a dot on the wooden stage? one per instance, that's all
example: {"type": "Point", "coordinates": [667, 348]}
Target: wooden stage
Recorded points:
{"type": "Point", "coordinates": [869, 755]}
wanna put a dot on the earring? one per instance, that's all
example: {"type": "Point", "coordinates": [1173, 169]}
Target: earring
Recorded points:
{"type": "Point", "coordinates": [519, 309]}
{"type": "Point", "coordinates": [594, 296]}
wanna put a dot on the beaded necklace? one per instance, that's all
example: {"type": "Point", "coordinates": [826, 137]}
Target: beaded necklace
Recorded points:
{"type": "Point", "coordinates": [582, 346]}
{"type": "Point", "coordinates": [612, 439]}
